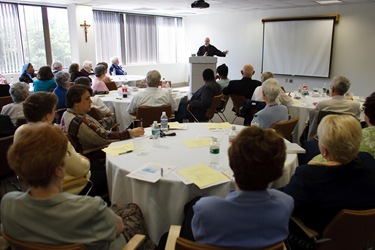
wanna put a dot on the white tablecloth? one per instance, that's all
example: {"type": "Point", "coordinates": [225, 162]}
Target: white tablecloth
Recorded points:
{"type": "Point", "coordinates": [129, 79]}
{"type": "Point", "coordinates": [118, 105]}
{"type": "Point", "coordinates": [162, 203]}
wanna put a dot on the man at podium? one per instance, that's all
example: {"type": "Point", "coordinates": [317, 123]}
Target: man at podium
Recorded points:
{"type": "Point", "coordinates": [209, 50]}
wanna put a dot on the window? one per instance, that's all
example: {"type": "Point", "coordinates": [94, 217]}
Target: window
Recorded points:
{"type": "Point", "coordinates": [30, 39]}
{"type": "Point", "coordinates": [138, 39]}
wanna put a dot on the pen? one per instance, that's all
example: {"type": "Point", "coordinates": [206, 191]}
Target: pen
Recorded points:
{"type": "Point", "coordinates": [161, 172]}
{"type": "Point", "coordinates": [129, 151]}
{"type": "Point", "coordinates": [226, 175]}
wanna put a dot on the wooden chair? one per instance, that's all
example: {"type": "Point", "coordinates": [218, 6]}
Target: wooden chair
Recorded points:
{"type": "Point", "coordinates": [174, 242]}
{"type": "Point", "coordinates": [4, 100]}
{"type": "Point", "coordinates": [238, 102]}
{"type": "Point", "coordinates": [22, 245]}
{"type": "Point", "coordinates": [286, 128]}
{"type": "Point", "coordinates": [147, 114]}
{"type": "Point", "coordinates": [111, 86]}
{"type": "Point", "coordinates": [211, 110]}
{"type": "Point", "coordinates": [349, 229]}
{"type": "Point", "coordinates": [5, 171]}
{"type": "Point", "coordinates": [221, 108]}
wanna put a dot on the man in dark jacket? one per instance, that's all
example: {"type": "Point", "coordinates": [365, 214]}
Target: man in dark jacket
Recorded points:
{"type": "Point", "coordinates": [202, 98]}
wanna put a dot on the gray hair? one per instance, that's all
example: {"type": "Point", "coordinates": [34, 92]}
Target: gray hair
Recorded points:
{"type": "Point", "coordinates": [62, 78]}
{"type": "Point", "coordinates": [99, 70]}
{"type": "Point", "coordinates": [153, 78]}
{"type": "Point", "coordinates": [341, 84]}
{"type": "Point", "coordinates": [271, 88]}
{"type": "Point", "coordinates": [19, 91]}
{"type": "Point", "coordinates": [114, 59]}
{"type": "Point", "coordinates": [266, 75]}
{"type": "Point", "coordinates": [87, 65]}
{"type": "Point", "coordinates": [56, 65]}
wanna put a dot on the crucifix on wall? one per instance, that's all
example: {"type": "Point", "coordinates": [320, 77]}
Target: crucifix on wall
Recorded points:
{"type": "Point", "coordinates": [85, 26]}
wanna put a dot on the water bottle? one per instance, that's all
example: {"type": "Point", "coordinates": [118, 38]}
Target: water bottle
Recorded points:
{"type": "Point", "coordinates": [155, 131]}
{"type": "Point", "coordinates": [215, 153]}
{"type": "Point", "coordinates": [11, 80]}
{"type": "Point", "coordinates": [324, 89]}
{"type": "Point", "coordinates": [164, 122]}
{"type": "Point", "coordinates": [163, 84]}
{"type": "Point", "coordinates": [255, 121]}
{"type": "Point", "coordinates": [113, 72]}
{"type": "Point", "coordinates": [232, 134]}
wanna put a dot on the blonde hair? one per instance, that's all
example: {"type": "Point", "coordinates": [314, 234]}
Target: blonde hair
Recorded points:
{"type": "Point", "coordinates": [341, 135]}
{"type": "Point", "coordinates": [266, 75]}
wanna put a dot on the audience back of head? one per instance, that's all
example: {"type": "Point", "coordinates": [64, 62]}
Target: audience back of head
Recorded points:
{"type": "Point", "coordinates": [153, 78]}
{"type": "Point", "coordinates": [341, 84]}
{"type": "Point", "coordinates": [37, 105]}
{"type": "Point", "coordinates": [271, 88]}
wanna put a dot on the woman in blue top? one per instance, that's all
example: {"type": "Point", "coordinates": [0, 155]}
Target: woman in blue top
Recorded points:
{"type": "Point", "coordinates": [27, 73]}
{"type": "Point", "coordinates": [45, 81]}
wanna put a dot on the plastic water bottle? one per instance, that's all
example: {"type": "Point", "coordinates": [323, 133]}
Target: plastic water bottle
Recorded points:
{"type": "Point", "coordinates": [215, 153]}
{"type": "Point", "coordinates": [155, 131]}
{"type": "Point", "coordinates": [324, 89]}
{"type": "Point", "coordinates": [255, 121]}
{"type": "Point", "coordinates": [11, 80]}
{"type": "Point", "coordinates": [113, 72]}
{"type": "Point", "coordinates": [164, 122]}
{"type": "Point", "coordinates": [232, 134]}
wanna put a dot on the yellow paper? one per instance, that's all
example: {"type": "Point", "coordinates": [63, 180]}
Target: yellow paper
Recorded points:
{"type": "Point", "coordinates": [176, 125]}
{"type": "Point", "coordinates": [120, 149]}
{"type": "Point", "coordinates": [198, 142]}
{"type": "Point", "coordinates": [203, 176]}
{"type": "Point", "coordinates": [296, 101]}
{"type": "Point", "coordinates": [218, 125]}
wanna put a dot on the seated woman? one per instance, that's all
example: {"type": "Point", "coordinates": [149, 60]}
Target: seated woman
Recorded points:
{"type": "Point", "coordinates": [106, 78]}
{"type": "Point", "coordinates": [45, 80]}
{"type": "Point", "coordinates": [39, 156]}
{"type": "Point", "coordinates": [86, 69]}
{"type": "Point", "coordinates": [74, 72]}
{"type": "Point", "coordinates": [18, 91]}
{"type": "Point", "coordinates": [321, 189]}
{"type": "Point", "coordinates": [40, 107]}
{"type": "Point", "coordinates": [252, 216]}
{"type": "Point", "coordinates": [88, 132]}
{"type": "Point", "coordinates": [27, 73]}
{"type": "Point", "coordinates": [273, 112]}
{"type": "Point", "coordinates": [63, 84]}
{"type": "Point", "coordinates": [108, 118]}
{"type": "Point", "coordinates": [98, 86]}
{"type": "Point", "coordinates": [116, 68]}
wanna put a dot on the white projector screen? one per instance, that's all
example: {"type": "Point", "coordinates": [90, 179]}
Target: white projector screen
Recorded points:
{"type": "Point", "coordinates": [298, 47]}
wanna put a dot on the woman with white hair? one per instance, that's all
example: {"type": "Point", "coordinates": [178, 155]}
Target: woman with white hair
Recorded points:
{"type": "Point", "coordinates": [116, 67]}
{"type": "Point", "coordinates": [273, 112]}
{"type": "Point", "coordinates": [18, 91]}
{"type": "Point", "coordinates": [86, 69]}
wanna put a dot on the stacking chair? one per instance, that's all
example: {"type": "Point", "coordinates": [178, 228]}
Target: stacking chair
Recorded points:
{"type": "Point", "coordinates": [58, 114]}
{"type": "Point", "coordinates": [286, 128]}
{"type": "Point", "coordinates": [238, 102]}
{"type": "Point", "coordinates": [6, 173]}
{"type": "Point", "coordinates": [174, 242]}
{"type": "Point", "coordinates": [349, 229]}
{"type": "Point", "coordinates": [22, 245]}
{"type": "Point", "coordinates": [147, 114]}
{"type": "Point", "coordinates": [111, 86]}
{"type": "Point", "coordinates": [211, 110]}
{"type": "Point", "coordinates": [4, 100]}
{"type": "Point", "coordinates": [221, 108]}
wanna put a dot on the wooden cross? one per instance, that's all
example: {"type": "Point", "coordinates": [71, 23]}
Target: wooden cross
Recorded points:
{"type": "Point", "coordinates": [85, 25]}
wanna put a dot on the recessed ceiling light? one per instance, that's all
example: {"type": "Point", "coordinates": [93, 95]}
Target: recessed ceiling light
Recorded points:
{"type": "Point", "coordinates": [329, 1]}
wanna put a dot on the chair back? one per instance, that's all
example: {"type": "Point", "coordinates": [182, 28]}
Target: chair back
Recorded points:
{"type": "Point", "coordinates": [4, 100]}
{"type": "Point", "coordinates": [238, 102]}
{"type": "Point", "coordinates": [211, 110]}
{"type": "Point", "coordinates": [111, 86]}
{"type": "Point", "coordinates": [5, 170]}
{"type": "Point", "coordinates": [95, 113]}
{"type": "Point", "coordinates": [148, 114]}
{"type": "Point", "coordinates": [286, 128]}
{"type": "Point", "coordinates": [221, 107]}
{"type": "Point", "coordinates": [20, 121]}
{"type": "Point", "coordinates": [350, 229]}
{"type": "Point", "coordinates": [22, 245]}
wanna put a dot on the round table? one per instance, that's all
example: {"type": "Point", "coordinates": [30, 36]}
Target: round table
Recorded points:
{"type": "Point", "coordinates": [129, 79]}
{"type": "Point", "coordinates": [162, 203]}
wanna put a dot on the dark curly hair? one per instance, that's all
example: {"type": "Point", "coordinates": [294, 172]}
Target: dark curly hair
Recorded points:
{"type": "Point", "coordinates": [370, 108]}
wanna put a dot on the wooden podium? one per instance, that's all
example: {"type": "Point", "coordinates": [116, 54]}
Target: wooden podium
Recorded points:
{"type": "Point", "coordinates": [197, 65]}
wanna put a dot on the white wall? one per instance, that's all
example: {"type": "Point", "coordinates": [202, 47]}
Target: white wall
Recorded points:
{"type": "Point", "coordinates": [242, 32]}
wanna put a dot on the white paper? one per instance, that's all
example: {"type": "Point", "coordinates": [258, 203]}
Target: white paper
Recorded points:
{"type": "Point", "coordinates": [150, 172]}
